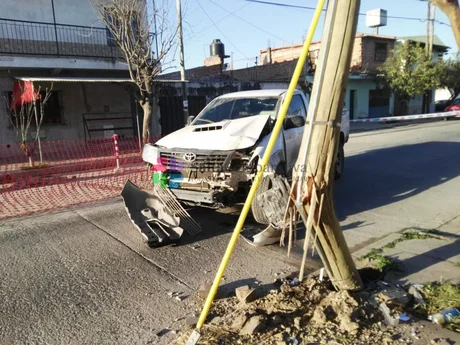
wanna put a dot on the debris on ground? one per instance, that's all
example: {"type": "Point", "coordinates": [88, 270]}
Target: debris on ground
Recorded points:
{"type": "Point", "coordinates": [311, 311]}
{"type": "Point", "coordinates": [414, 290]}
{"type": "Point", "coordinates": [438, 298]}
{"type": "Point", "coordinates": [203, 290]}
{"type": "Point", "coordinates": [191, 321]}
{"type": "Point", "coordinates": [393, 295]}
{"type": "Point", "coordinates": [390, 319]}
{"type": "Point", "coordinates": [307, 312]}
{"type": "Point", "coordinates": [245, 294]}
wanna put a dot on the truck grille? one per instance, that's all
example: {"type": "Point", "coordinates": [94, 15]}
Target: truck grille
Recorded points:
{"type": "Point", "coordinates": [202, 162]}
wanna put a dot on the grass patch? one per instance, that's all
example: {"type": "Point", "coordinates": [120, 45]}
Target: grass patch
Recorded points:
{"type": "Point", "coordinates": [412, 235]}
{"type": "Point", "coordinates": [384, 263]}
{"type": "Point", "coordinates": [378, 259]}
{"type": "Point", "coordinates": [439, 296]}
{"type": "Point", "coordinates": [36, 166]}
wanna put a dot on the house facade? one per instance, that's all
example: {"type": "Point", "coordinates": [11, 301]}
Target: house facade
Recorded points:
{"type": "Point", "coordinates": [64, 44]}
{"type": "Point", "coordinates": [370, 51]}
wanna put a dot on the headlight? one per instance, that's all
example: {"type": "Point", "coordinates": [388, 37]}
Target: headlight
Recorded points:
{"type": "Point", "coordinates": [150, 154]}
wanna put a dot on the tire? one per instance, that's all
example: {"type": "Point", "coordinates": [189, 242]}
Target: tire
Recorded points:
{"type": "Point", "coordinates": [340, 162]}
{"type": "Point", "coordinates": [257, 212]}
{"type": "Point", "coordinates": [265, 185]}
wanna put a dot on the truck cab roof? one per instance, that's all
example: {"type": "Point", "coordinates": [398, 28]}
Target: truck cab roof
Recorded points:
{"type": "Point", "coordinates": [257, 93]}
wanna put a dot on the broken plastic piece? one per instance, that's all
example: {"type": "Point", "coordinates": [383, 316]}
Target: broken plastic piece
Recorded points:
{"type": "Point", "coordinates": [193, 339]}
{"type": "Point", "coordinates": [414, 290]}
{"type": "Point", "coordinates": [268, 236]}
{"type": "Point", "coordinates": [404, 317]}
{"type": "Point", "coordinates": [389, 320]}
{"type": "Point", "coordinates": [150, 217]}
{"type": "Point", "coordinates": [294, 282]}
{"type": "Point", "coordinates": [292, 341]}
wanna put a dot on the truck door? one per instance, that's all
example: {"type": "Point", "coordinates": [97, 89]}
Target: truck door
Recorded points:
{"type": "Point", "coordinates": [293, 128]}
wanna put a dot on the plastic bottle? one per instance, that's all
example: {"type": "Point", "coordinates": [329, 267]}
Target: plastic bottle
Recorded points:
{"type": "Point", "coordinates": [445, 316]}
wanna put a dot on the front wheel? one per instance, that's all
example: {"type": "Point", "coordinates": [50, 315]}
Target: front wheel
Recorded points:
{"type": "Point", "coordinates": [340, 161]}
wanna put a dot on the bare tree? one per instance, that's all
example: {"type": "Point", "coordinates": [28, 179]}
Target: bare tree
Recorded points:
{"type": "Point", "coordinates": [452, 11]}
{"type": "Point", "coordinates": [23, 112]}
{"type": "Point", "coordinates": [130, 27]}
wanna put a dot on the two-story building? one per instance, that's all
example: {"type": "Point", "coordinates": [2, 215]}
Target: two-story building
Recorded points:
{"type": "Point", "coordinates": [369, 53]}
{"type": "Point", "coordinates": [63, 42]}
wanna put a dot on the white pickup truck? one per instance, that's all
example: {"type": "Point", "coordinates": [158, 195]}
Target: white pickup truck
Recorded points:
{"type": "Point", "coordinates": [216, 156]}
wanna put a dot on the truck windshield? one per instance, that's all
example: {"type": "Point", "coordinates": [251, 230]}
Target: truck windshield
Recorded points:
{"type": "Point", "coordinates": [236, 108]}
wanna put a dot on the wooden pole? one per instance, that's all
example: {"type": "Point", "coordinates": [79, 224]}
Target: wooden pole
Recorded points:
{"type": "Point", "coordinates": [325, 137]}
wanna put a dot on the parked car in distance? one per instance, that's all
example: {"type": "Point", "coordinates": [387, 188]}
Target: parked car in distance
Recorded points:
{"type": "Point", "coordinates": [455, 105]}
{"type": "Point", "coordinates": [441, 105]}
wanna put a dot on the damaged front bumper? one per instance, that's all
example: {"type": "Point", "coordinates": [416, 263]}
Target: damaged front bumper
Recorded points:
{"type": "Point", "coordinates": [199, 177]}
{"type": "Point", "coordinates": [160, 219]}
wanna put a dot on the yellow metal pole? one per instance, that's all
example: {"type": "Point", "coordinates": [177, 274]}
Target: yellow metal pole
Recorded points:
{"type": "Point", "coordinates": [266, 156]}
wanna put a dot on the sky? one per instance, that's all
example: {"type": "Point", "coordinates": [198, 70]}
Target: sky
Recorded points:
{"type": "Point", "coordinates": [246, 27]}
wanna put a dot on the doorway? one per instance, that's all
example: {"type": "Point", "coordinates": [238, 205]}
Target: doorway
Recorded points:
{"type": "Point", "coordinates": [352, 104]}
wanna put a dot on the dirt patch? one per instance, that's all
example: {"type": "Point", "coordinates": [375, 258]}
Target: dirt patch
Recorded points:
{"type": "Point", "coordinates": [310, 312]}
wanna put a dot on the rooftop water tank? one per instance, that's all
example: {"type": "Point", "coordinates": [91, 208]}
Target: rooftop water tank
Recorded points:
{"type": "Point", "coordinates": [217, 48]}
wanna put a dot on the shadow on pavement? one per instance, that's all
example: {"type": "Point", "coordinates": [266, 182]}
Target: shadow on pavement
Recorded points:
{"type": "Point", "coordinates": [215, 223]}
{"type": "Point", "coordinates": [423, 262]}
{"type": "Point", "coordinates": [381, 177]}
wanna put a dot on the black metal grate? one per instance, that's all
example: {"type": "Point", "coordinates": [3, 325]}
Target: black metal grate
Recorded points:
{"type": "Point", "coordinates": [19, 37]}
{"type": "Point", "coordinates": [202, 162]}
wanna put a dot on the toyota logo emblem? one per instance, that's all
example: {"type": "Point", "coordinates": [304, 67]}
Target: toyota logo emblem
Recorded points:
{"type": "Point", "coordinates": [189, 157]}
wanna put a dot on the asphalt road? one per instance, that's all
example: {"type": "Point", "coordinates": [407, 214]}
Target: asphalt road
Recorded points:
{"type": "Point", "coordinates": [84, 275]}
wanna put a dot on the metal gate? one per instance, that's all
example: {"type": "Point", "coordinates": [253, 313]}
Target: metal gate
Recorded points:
{"type": "Point", "coordinates": [172, 111]}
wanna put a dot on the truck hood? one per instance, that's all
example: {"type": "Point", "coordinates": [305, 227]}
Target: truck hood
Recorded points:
{"type": "Point", "coordinates": [224, 135]}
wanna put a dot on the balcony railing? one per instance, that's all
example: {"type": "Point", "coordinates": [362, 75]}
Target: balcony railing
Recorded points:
{"type": "Point", "coordinates": [19, 37]}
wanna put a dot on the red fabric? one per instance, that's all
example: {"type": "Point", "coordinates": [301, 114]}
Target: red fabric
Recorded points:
{"type": "Point", "coordinates": [23, 91]}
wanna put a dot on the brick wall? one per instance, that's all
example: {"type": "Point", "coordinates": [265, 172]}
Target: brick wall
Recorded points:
{"type": "Point", "coordinates": [371, 62]}
{"type": "Point", "coordinates": [363, 56]}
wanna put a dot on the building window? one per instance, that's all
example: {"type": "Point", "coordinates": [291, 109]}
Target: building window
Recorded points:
{"type": "Point", "coordinates": [380, 54]}
{"type": "Point", "coordinates": [53, 109]}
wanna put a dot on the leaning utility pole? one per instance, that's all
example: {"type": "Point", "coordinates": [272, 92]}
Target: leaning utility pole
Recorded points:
{"type": "Point", "coordinates": [157, 52]}
{"type": "Point", "coordinates": [181, 60]}
{"type": "Point", "coordinates": [430, 28]}
{"type": "Point", "coordinates": [312, 186]}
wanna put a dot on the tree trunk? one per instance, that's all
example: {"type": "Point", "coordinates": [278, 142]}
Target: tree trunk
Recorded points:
{"type": "Point", "coordinates": [452, 11]}
{"type": "Point", "coordinates": [156, 114]}
{"type": "Point", "coordinates": [147, 108]}
{"type": "Point", "coordinates": [324, 145]}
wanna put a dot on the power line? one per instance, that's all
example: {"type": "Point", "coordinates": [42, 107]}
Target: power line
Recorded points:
{"type": "Point", "coordinates": [220, 30]}
{"type": "Point", "coordinates": [248, 22]}
{"type": "Point", "coordinates": [223, 18]}
{"type": "Point", "coordinates": [361, 14]}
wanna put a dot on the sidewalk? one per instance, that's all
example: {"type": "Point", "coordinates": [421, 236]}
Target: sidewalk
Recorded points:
{"type": "Point", "coordinates": [421, 260]}
{"type": "Point", "coordinates": [366, 127]}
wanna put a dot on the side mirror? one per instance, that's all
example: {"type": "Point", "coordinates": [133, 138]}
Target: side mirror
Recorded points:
{"type": "Point", "coordinates": [190, 120]}
{"type": "Point", "coordinates": [294, 122]}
